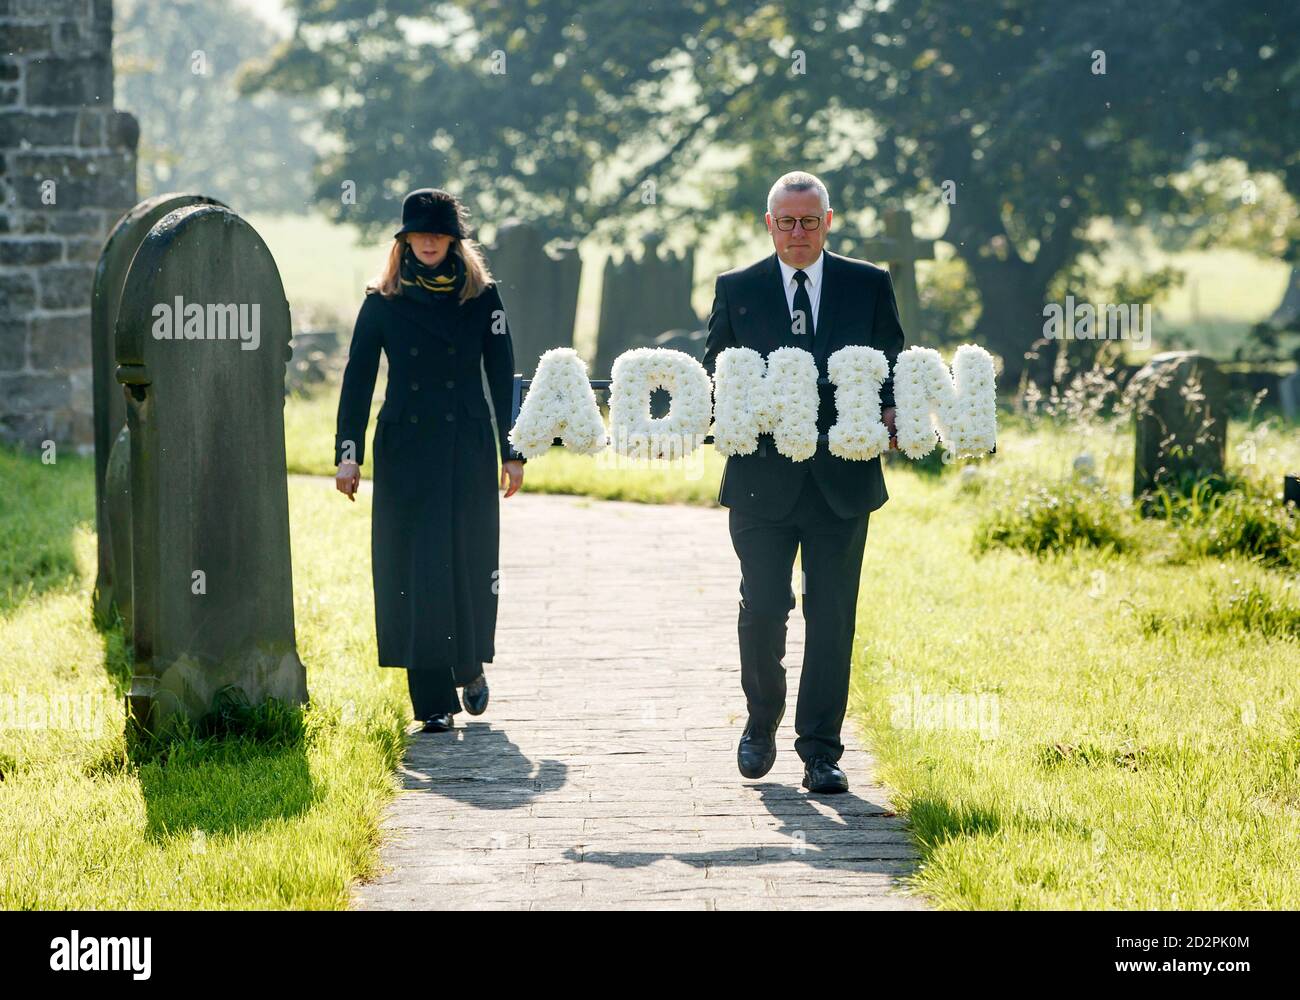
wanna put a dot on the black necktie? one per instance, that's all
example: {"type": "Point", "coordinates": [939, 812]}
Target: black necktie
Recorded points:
{"type": "Point", "coordinates": [803, 304]}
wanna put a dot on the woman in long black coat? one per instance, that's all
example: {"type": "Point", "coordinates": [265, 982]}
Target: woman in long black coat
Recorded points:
{"type": "Point", "coordinates": [435, 312]}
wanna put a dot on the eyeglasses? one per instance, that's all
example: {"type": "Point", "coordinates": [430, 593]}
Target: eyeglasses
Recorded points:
{"type": "Point", "coordinates": [808, 222]}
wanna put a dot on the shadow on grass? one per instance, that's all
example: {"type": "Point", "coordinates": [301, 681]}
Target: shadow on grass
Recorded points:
{"type": "Point", "coordinates": [232, 771]}
{"type": "Point", "coordinates": [236, 769]}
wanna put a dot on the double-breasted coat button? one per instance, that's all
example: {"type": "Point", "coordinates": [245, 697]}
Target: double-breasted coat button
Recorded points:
{"type": "Point", "coordinates": [451, 416]}
{"type": "Point", "coordinates": [451, 384]}
{"type": "Point", "coordinates": [414, 419]}
{"type": "Point", "coordinates": [415, 386]}
{"type": "Point", "coordinates": [414, 351]}
{"type": "Point", "coordinates": [451, 349]}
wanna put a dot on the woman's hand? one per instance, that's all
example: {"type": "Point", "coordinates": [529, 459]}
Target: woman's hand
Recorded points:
{"type": "Point", "coordinates": [515, 472]}
{"type": "Point", "coordinates": [347, 479]}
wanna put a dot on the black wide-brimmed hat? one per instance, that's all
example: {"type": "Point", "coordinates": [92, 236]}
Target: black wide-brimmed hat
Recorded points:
{"type": "Point", "coordinates": [432, 210]}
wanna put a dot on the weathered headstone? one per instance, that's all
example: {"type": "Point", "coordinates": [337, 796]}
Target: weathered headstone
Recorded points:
{"type": "Point", "coordinates": [202, 343]}
{"type": "Point", "coordinates": [640, 298]}
{"type": "Point", "coordinates": [900, 249]}
{"type": "Point", "coordinates": [108, 396]}
{"type": "Point", "coordinates": [1288, 395]}
{"type": "Point", "coordinates": [314, 351]}
{"type": "Point", "coordinates": [1181, 422]}
{"type": "Point", "coordinates": [688, 342]}
{"type": "Point", "coordinates": [539, 289]}
{"type": "Point", "coordinates": [116, 515]}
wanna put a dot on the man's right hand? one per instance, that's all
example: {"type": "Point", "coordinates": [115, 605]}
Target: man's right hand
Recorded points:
{"type": "Point", "coordinates": [887, 417]}
{"type": "Point", "coordinates": [347, 479]}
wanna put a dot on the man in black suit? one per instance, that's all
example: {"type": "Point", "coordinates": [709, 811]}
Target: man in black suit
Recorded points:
{"type": "Point", "coordinates": [801, 296]}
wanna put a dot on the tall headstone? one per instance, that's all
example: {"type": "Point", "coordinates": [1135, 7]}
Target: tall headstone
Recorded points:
{"type": "Point", "coordinates": [116, 533]}
{"type": "Point", "coordinates": [202, 342]}
{"type": "Point", "coordinates": [1181, 422]}
{"type": "Point", "coordinates": [539, 289]}
{"type": "Point", "coordinates": [900, 249]}
{"type": "Point", "coordinates": [640, 298]}
{"type": "Point", "coordinates": [1288, 395]}
{"type": "Point", "coordinates": [67, 172]}
{"type": "Point", "coordinates": [108, 395]}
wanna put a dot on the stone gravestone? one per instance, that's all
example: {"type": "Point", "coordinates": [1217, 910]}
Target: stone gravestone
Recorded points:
{"type": "Point", "coordinates": [202, 342]}
{"type": "Point", "coordinates": [108, 396]}
{"type": "Point", "coordinates": [1288, 394]}
{"type": "Point", "coordinates": [901, 250]}
{"type": "Point", "coordinates": [539, 290]}
{"type": "Point", "coordinates": [688, 342]}
{"type": "Point", "coordinates": [1181, 423]}
{"type": "Point", "coordinates": [640, 299]}
{"type": "Point", "coordinates": [314, 352]}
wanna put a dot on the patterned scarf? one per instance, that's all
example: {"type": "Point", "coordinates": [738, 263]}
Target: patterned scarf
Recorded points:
{"type": "Point", "coordinates": [432, 284]}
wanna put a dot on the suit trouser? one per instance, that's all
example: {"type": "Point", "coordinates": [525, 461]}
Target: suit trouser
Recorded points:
{"type": "Point", "coordinates": [831, 556]}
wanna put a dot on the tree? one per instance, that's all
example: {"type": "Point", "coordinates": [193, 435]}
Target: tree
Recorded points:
{"type": "Point", "coordinates": [175, 64]}
{"type": "Point", "coordinates": [1026, 118]}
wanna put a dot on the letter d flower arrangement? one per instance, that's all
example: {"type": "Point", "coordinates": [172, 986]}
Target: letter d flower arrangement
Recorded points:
{"type": "Point", "coordinates": [636, 374]}
{"type": "Point", "coordinates": [560, 403]}
{"type": "Point", "coordinates": [960, 408]}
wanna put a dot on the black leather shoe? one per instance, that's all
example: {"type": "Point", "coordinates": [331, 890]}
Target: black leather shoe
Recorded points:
{"type": "Point", "coordinates": [823, 776]}
{"type": "Point", "coordinates": [757, 750]}
{"type": "Point", "coordinates": [475, 696]}
{"type": "Point", "coordinates": [442, 723]}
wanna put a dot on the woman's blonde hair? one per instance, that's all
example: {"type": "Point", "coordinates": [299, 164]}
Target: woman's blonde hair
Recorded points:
{"type": "Point", "coordinates": [477, 275]}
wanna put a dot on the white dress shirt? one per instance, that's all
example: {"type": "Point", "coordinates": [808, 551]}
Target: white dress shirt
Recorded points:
{"type": "Point", "coordinates": [813, 284]}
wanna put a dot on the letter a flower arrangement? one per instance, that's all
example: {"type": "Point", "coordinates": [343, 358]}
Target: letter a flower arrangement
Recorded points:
{"type": "Point", "coordinates": [753, 396]}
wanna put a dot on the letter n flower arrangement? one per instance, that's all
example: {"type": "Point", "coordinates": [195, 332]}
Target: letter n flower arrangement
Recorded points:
{"type": "Point", "coordinates": [959, 409]}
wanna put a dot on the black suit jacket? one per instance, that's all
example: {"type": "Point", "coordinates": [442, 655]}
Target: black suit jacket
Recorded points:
{"type": "Point", "coordinates": [749, 310]}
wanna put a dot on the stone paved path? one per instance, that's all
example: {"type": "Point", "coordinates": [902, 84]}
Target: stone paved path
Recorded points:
{"type": "Point", "coordinates": [603, 773]}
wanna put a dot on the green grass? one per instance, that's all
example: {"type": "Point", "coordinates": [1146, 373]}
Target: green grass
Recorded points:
{"type": "Point", "coordinates": [1117, 767]}
{"type": "Point", "coordinates": [285, 820]}
{"type": "Point", "coordinates": [1083, 729]}
{"type": "Point", "coordinates": [1121, 729]}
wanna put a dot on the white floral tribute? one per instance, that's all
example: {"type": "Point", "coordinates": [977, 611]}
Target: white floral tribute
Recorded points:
{"type": "Point", "coordinates": [858, 433]}
{"type": "Point", "coordinates": [959, 407]}
{"type": "Point", "coordinates": [560, 404]}
{"type": "Point", "coordinates": [740, 401]}
{"type": "Point", "coordinates": [754, 396]}
{"type": "Point", "coordinates": [636, 374]}
{"type": "Point", "coordinates": [778, 397]}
